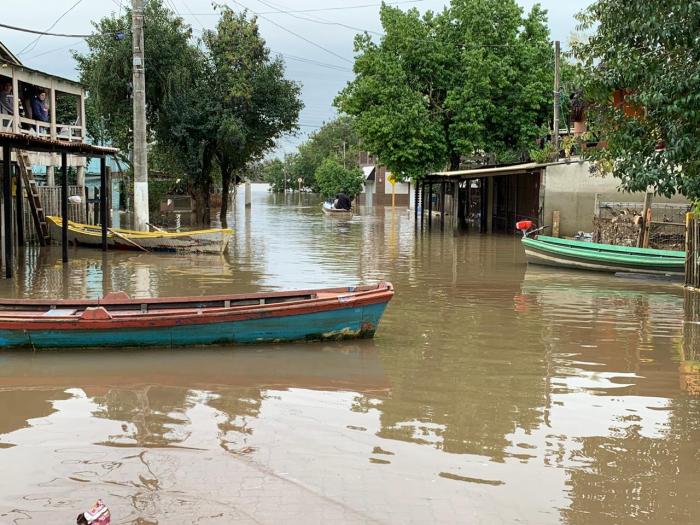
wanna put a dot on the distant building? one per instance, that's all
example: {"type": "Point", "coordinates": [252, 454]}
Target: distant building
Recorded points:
{"type": "Point", "coordinates": [377, 190]}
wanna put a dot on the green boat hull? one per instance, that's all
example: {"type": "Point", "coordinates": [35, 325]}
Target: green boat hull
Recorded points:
{"type": "Point", "coordinates": [578, 255]}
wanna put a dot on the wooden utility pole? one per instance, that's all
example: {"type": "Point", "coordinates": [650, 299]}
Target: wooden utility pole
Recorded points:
{"type": "Point", "coordinates": [555, 139]}
{"type": "Point", "coordinates": [140, 160]}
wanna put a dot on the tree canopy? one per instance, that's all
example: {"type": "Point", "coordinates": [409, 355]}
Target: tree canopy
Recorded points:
{"type": "Point", "coordinates": [649, 52]}
{"type": "Point", "coordinates": [218, 103]}
{"type": "Point", "coordinates": [471, 81]}
{"type": "Point", "coordinates": [333, 178]}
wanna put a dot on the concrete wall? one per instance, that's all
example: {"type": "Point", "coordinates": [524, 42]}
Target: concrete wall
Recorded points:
{"type": "Point", "coordinates": [571, 189]}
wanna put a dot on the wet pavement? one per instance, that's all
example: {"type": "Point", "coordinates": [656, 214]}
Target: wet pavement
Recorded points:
{"type": "Point", "coordinates": [492, 393]}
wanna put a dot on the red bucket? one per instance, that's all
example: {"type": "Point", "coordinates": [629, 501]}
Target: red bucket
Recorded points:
{"type": "Point", "coordinates": [523, 225]}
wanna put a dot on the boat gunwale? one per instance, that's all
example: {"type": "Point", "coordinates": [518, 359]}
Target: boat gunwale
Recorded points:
{"type": "Point", "coordinates": [612, 248]}
{"type": "Point", "coordinates": [641, 261]}
{"type": "Point", "coordinates": [96, 231]}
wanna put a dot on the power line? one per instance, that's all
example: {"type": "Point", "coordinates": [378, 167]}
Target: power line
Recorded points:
{"type": "Point", "coordinates": [316, 10]}
{"type": "Point", "coordinates": [319, 20]}
{"type": "Point", "coordinates": [54, 50]}
{"type": "Point", "coordinates": [34, 42]}
{"type": "Point", "coordinates": [283, 28]}
{"type": "Point", "coordinates": [42, 33]}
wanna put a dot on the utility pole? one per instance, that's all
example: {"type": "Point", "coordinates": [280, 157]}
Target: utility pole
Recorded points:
{"type": "Point", "coordinates": [140, 160]}
{"type": "Point", "coordinates": [555, 139]}
{"type": "Point", "coordinates": [344, 154]}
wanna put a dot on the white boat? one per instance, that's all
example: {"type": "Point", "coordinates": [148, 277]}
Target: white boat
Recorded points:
{"type": "Point", "coordinates": [329, 210]}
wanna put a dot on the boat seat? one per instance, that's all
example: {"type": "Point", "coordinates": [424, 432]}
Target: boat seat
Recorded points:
{"type": "Point", "coordinates": [60, 312]}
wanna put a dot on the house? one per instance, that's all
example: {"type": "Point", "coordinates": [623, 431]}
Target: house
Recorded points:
{"type": "Point", "coordinates": [19, 85]}
{"type": "Point", "coordinates": [378, 189]}
{"type": "Point", "coordinates": [493, 199]}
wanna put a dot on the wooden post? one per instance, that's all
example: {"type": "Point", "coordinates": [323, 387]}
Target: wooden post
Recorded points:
{"type": "Point", "coordinates": [64, 206]}
{"type": "Point", "coordinates": [19, 208]}
{"type": "Point", "coordinates": [415, 206]}
{"type": "Point", "coordinates": [442, 206]}
{"type": "Point", "coordinates": [103, 202]}
{"type": "Point", "coordinates": [7, 207]}
{"type": "Point", "coordinates": [647, 225]}
{"type": "Point", "coordinates": [555, 223]}
{"type": "Point", "coordinates": [689, 270]}
{"type": "Point", "coordinates": [455, 207]}
{"type": "Point", "coordinates": [430, 205]}
{"type": "Point", "coordinates": [15, 106]}
{"type": "Point", "coordinates": [52, 119]}
{"type": "Point", "coordinates": [109, 196]}
{"type": "Point", "coordinates": [489, 204]}
{"type": "Point", "coordinates": [643, 223]}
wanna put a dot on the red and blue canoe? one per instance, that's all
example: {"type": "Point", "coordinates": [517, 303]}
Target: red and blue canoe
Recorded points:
{"type": "Point", "coordinates": [119, 321]}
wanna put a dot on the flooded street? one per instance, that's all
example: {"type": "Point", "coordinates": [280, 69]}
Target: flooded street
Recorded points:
{"type": "Point", "coordinates": [492, 392]}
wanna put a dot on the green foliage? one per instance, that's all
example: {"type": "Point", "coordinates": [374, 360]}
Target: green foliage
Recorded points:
{"type": "Point", "coordinates": [470, 81]}
{"type": "Point", "coordinates": [336, 139]}
{"type": "Point", "coordinates": [212, 107]}
{"type": "Point", "coordinates": [274, 174]}
{"type": "Point", "coordinates": [546, 153]}
{"type": "Point", "coordinates": [651, 50]}
{"type": "Point", "coordinates": [332, 178]}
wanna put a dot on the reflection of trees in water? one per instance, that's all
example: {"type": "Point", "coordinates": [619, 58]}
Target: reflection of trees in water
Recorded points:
{"type": "Point", "coordinates": [17, 407]}
{"type": "Point", "coordinates": [156, 413]}
{"type": "Point", "coordinates": [239, 406]}
{"type": "Point", "coordinates": [636, 479]}
{"type": "Point", "coordinates": [689, 348]}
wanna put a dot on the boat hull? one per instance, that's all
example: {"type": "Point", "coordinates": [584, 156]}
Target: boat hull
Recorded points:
{"type": "Point", "coordinates": [117, 321]}
{"type": "Point", "coordinates": [203, 241]}
{"type": "Point", "coordinates": [602, 258]}
{"type": "Point", "coordinates": [333, 212]}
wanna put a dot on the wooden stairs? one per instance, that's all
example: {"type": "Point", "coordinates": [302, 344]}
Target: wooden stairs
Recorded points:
{"type": "Point", "coordinates": [38, 216]}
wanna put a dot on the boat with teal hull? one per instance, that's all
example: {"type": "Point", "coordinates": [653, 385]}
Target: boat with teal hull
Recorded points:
{"type": "Point", "coordinates": [579, 255]}
{"type": "Point", "coordinates": [117, 321]}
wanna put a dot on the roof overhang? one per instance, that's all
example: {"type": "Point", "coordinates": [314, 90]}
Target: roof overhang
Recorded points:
{"type": "Point", "coordinates": [478, 173]}
{"type": "Point", "coordinates": [30, 143]}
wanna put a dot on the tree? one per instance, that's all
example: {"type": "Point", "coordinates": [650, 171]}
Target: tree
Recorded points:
{"type": "Point", "coordinates": [274, 174]}
{"type": "Point", "coordinates": [258, 105]}
{"type": "Point", "coordinates": [647, 52]}
{"type": "Point", "coordinates": [332, 178]}
{"type": "Point", "coordinates": [336, 138]}
{"type": "Point", "coordinates": [473, 80]}
{"type": "Point", "coordinates": [105, 70]}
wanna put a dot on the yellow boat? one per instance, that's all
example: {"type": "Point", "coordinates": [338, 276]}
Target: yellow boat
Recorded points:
{"type": "Point", "coordinates": [212, 240]}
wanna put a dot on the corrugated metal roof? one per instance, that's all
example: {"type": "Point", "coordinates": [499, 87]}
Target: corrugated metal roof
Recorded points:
{"type": "Point", "coordinates": [485, 172]}
{"type": "Point", "coordinates": [32, 143]}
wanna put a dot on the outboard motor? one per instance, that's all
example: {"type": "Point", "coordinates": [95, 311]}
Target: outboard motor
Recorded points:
{"type": "Point", "coordinates": [524, 227]}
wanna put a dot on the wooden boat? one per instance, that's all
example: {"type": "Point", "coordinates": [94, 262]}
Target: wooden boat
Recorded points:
{"type": "Point", "coordinates": [117, 320]}
{"type": "Point", "coordinates": [214, 240]}
{"type": "Point", "coordinates": [579, 255]}
{"type": "Point", "coordinates": [329, 210]}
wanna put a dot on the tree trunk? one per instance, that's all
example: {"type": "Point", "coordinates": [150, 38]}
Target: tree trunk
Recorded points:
{"type": "Point", "coordinates": [455, 159]}
{"type": "Point", "coordinates": [225, 186]}
{"type": "Point", "coordinates": [202, 206]}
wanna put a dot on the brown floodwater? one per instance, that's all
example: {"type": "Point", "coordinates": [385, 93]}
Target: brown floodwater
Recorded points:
{"type": "Point", "coordinates": [492, 392]}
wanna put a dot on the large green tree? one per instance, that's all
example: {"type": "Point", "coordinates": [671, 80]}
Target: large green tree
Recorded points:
{"type": "Point", "coordinates": [257, 104]}
{"type": "Point", "coordinates": [471, 81]}
{"type": "Point", "coordinates": [649, 51]}
{"type": "Point", "coordinates": [333, 178]}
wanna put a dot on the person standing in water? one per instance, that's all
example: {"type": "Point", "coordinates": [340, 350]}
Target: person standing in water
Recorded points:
{"type": "Point", "coordinates": [342, 202]}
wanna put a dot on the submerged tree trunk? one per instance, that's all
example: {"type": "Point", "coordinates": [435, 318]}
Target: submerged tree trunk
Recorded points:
{"type": "Point", "coordinates": [225, 188]}
{"type": "Point", "coordinates": [202, 190]}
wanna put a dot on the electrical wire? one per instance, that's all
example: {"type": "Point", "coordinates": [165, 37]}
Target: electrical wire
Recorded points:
{"type": "Point", "coordinates": [283, 28]}
{"type": "Point", "coordinates": [42, 33]}
{"type": "Point", "coordinates": [33, 43]}
{"type": "Point", "coordinates": [318, 20]}
{"type": "Point", "coordinates": [316, 10]}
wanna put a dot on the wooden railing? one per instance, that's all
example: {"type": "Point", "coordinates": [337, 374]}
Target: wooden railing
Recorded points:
{"type": "Point", "coordinates": [42, 129]}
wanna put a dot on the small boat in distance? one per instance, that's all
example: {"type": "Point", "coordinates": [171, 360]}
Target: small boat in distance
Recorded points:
{"type": "Point", "coordinates": [580, 255]}
{"type": "Point", "coordinates": [119, 321]}
{"type": "Point", "coordinates": [329, 210]}
{"type": "Point", "coordinates": [212, 240]}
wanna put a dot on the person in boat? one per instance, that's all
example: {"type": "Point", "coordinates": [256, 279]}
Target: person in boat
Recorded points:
{"type": "Point", "coordinates": [97, 515]}
{"type": "Point", "coordinates": [342, 202]}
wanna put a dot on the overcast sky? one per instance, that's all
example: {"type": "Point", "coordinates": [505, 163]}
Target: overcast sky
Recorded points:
{"type": "Point", "coordinates": [322, 72]}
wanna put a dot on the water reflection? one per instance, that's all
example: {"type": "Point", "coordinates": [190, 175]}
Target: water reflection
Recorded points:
{"type": "Point", "coordinates": [493, 392]}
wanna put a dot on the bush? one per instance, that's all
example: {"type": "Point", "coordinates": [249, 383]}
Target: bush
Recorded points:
{"type": "Point", "coordinates": [332, 178]}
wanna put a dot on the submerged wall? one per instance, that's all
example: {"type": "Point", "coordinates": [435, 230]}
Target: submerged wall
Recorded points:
{"type": "Point", "coordinates": [571, 189]}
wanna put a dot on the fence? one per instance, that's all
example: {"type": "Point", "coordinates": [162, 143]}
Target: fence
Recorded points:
{"type": "Point", "coordinates": [620, 223]}
{"type": "Point", "coordinates": [50, 197]}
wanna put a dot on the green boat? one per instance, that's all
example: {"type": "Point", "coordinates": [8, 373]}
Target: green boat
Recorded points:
{"type": "Point", "coordinates": [579, 255]}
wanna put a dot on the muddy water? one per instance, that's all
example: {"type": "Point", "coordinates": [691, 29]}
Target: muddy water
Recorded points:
{"type": "Point", "coordinates": [493, 393]}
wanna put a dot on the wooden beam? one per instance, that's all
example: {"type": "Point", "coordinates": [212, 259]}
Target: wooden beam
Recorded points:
{"type": "Point", "coordinates": [52, 109]}
{"type": "Point", "coordinates": [7, 208]}
{"type": "Point", "coordinates": [15, 104]}
{"type": "Point", "coordinates": [64, 206]}
{"type": "Point", "coordinates": [103, 202]}
{"type": "Point", "coordinates": [645, 210]}
{"type": "Point", "coordinates": [19, 212]}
